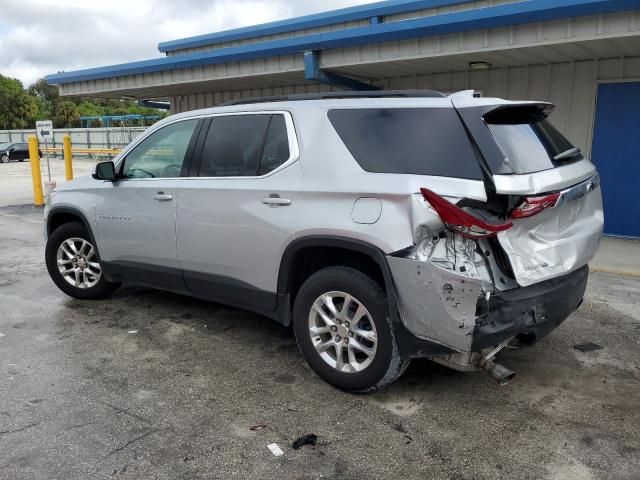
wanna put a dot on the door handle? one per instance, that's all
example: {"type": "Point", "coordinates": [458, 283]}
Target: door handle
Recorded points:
{"type": "Point", "coordinates": [276, 201]}
{"type": "Point", "coordinates": [162, 197]}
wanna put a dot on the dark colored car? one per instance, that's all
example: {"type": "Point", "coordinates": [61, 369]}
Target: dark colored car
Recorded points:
{"type": "Point", "coordinates": [14, 152]}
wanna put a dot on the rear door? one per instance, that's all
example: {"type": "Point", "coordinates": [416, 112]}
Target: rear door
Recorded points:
{"type": "Point", "coordinates": [558, 222]}
{"type": "Point", "coordinates": [238, 210]}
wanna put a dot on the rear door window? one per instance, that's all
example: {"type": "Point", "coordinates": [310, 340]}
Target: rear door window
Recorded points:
{"type": "Point", "coordinates": [245, 146]}
{"type": "Point", "coordinates": [529, 141]}
{"type": "Point", "coordinates": [417, 141]}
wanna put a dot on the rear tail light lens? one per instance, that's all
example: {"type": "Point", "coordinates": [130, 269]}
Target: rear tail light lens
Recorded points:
{"type": "Point", "coordinates": [531, 206]}
{"type": "Point", "coordinates": [457, 220]}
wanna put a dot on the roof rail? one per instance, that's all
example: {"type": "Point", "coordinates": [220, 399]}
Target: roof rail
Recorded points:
{"type": "Point", "coordinates": [333, 95]}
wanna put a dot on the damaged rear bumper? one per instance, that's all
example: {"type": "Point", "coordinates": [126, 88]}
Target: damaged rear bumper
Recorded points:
{"type": "Point", "coordinates": [461, 314]}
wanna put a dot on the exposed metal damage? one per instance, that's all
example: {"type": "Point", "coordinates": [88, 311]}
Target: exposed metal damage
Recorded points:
{"type": "Point", "coordinates": [439, 284]}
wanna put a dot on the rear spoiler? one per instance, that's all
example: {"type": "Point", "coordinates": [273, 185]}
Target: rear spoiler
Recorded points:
{"type": "Point", "coordinates": [516, 113]}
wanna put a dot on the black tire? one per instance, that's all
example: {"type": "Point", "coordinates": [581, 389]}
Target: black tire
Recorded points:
{"type": "Point", "coordinates": [102, 289]}
{"type": "Point", "coordinates": [386, 366]}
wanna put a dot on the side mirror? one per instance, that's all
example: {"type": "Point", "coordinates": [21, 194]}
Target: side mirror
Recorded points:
{"type": "Point", "coordinates": [105, 171]}
{"type": "Point", "coordinates": [12, 149]}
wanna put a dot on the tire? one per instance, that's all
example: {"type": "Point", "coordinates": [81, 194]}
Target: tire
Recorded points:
{"type": "Point", "coordinates": [4, 159]}
{"type": "Point", "coordinates": [364, 372]}
{"type": "Point", "coordinates": [92, 286]}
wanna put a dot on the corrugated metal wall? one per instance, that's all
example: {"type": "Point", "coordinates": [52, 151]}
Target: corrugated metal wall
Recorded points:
{"type": "Point", "coordinates": [572, 86]}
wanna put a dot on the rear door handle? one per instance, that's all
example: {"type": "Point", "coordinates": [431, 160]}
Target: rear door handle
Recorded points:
{"type": "Point", "coordinates": [162, 197]}
{"type": "Point", "coordinates": [276, 201]}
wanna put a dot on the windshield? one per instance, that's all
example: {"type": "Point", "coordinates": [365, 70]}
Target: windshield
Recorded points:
{"type": "Point", "coordinates": [4, 146]}
{"type": "Point", "coordinates": [530, 143]}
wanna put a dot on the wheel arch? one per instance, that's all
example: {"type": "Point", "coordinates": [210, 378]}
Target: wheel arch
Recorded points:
{"type": "Point", "coordinates": [59, 216]}
{"type": "Point", "coordinates": [320, 243]}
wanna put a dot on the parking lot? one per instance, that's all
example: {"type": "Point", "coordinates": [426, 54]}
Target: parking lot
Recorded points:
{"type": "Point", "coordinates": [154, 385]}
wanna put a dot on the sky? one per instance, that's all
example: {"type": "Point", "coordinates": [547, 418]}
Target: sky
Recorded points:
{"type": "Point", "coordinates": [39, 37]}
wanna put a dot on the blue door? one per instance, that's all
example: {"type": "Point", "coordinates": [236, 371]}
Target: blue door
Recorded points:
{"type": "Point", "coordinates": [616, 153]}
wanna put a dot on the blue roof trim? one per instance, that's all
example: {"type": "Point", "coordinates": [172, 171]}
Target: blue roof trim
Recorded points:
{"type": "Point", "coordinates": [361, 12]}
{"type": "Point", "coordinates": [490, 17]}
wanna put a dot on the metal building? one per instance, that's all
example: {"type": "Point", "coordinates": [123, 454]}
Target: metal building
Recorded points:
{"type": "Point", "coordinates": [582, 55]}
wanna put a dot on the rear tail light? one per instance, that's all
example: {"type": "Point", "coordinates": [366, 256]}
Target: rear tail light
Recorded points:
{"type": "Point", "coordinates": [460, 221]}
{"type": "Point", "coordinates": [531, 206]}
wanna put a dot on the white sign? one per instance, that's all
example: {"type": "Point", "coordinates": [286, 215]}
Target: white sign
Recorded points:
{"type": "Point", "coordinates": [44, 129]}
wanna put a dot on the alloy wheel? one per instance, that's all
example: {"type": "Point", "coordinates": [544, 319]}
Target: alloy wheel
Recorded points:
{"type": "Point", "coordinates": [78, 263]}
{"type": "Point", "coordinates": [342, 332]}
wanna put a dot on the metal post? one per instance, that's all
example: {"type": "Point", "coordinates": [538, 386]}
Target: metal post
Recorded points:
{"type": "Point", "coordinates": [68, 160]}
{"type": "Point", "coordinates": [36, 176]}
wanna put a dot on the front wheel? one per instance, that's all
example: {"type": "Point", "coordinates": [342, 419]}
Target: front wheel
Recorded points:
{"type": "Point", "coordinates": [4, 159]}
{"type": "Point", "coordinates": [73, 264]}
{"type": "Point", "coordinates": [342, 328]}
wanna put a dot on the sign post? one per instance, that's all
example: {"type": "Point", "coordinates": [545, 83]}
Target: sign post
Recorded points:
{"type": "Point", "coordinates": [44, 129]}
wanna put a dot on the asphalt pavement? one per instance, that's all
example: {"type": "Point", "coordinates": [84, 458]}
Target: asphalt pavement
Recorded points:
{"type": "Point", "coordinates": [155, 385]}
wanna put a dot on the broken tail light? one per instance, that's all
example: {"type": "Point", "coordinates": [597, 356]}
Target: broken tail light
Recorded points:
{"type": "Point", "coordinates": [457, 220]}
{"type": "Point", "coordinates": [531, 206]}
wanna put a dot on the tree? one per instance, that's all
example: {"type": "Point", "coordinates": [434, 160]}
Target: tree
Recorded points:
{"type": "Point", "coordinates": [67, 114]}
{"type": "Point", "coordinates": [17, 108]}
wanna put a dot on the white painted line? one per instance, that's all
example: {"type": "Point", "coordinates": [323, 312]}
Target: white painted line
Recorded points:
{"type": "Point", "coordinates": [133, 331]}
{"type": "Point", "coordinates": [275, 449]}
{"type": "Point", "coordinates": [1, 335]}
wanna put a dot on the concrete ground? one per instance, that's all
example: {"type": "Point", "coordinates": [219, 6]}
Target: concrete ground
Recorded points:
{"type": "Point", "coordinates": [154, 385]}
{"type": "Point", "coordinates": [16, 185]}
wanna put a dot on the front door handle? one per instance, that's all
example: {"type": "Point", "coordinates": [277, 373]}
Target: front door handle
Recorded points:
{"type": "Point", "coordinates": [276, 201]}
{"type": "Point", "coordinates": [162, 197]}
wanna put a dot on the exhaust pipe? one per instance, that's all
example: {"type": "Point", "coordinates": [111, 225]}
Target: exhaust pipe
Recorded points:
{"type": "Point", "coordinates": [499, 373]}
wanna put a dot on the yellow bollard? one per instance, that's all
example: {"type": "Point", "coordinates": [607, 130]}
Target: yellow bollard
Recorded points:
{"type": "Point", "coordinates": [68, 160]}
{"type": "Point", "coordinates": [36, 176]}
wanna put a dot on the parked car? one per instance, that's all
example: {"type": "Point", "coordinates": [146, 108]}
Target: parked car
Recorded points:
{"type": "Point", "coordinates": [14, 152]}
{"type": "Point", "coordinates": [382, 226]}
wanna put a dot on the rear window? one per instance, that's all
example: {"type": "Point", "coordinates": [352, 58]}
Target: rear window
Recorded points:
{"type": "Point", "coordinates": [529, 141]}
{"type": "Point", "coordinates": [416, 141]}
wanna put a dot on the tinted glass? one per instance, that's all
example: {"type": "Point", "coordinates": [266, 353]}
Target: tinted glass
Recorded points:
{"type": "Point", "coordinates": [531, 144]}
{"type": "Point", "coordinates": [418, 141]}
{"type": "Point", "coordinates": [234, 146]}
{"type": "Point", "coordinates": [162, 154]}
{"type": "Point", "coordinates": [276, 147]}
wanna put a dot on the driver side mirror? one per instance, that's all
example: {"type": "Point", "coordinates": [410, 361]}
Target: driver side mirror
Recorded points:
{"type": "Point", "coordinates": [105, 171]}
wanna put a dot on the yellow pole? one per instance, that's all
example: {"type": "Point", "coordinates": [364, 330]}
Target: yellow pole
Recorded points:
{"type": "Point", "coordinates": [68, 163]}
{"type": "Point", "coordinates": [36, 176]}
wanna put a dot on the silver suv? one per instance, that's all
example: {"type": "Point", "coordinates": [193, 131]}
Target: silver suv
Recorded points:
{"type": "Point", "coordinates": [382, 226]}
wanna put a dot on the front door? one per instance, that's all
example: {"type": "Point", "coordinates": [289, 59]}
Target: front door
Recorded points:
{"type": "Point", "coordinates": [136, 215]}
{"type": "Point", "coordinates": [616, 153]}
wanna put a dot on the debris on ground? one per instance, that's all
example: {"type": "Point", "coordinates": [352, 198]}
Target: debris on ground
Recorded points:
{"type": "Point", "coordinates": [275, 449]}
{"type": "Point", "coordinates": [258, 427]}
{"type": "Point", "coordinates": [131, 332]}
{"type": "Point", "coordinates": [587, 347]}
{"type": "Point", "coordinates": [311, 439]}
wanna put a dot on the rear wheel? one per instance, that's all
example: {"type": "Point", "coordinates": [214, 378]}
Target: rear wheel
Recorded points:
{"type": "Point", "coordinates": [343, 331]}
{"type": "Point", "coordinates": [73, 264]}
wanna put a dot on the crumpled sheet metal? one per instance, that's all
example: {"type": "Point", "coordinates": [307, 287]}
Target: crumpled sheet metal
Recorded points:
{"type": "Point", "coordinates": [436, 304]}
{"type": "Point", "coordinates": [555, 242]}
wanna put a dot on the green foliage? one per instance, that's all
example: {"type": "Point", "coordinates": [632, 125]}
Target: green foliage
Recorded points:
{"type": "Point", "coordinates": [20, 108]}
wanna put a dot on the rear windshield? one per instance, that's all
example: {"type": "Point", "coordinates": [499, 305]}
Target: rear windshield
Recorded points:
{"type": "Point", "coordinates": [529, 141]}
{"type": "Point", "coordinates": [417, 141]}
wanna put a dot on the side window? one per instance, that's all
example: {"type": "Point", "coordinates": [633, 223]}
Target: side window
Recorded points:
{"type": "Point", "coordinates": [244, 146]}
{"type": "Point", "coordinates": [413, 141]}
{"type": "Point", "coordinates": [276, 147]}
{"type": "Point", "coordinates": [162, 154]}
